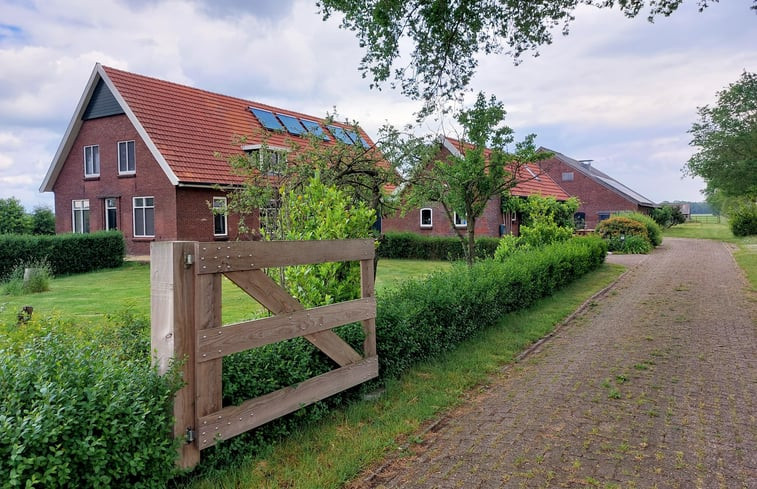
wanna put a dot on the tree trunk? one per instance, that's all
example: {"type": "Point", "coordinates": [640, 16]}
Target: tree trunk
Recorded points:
{"type": "Point", "coordinates": [471, 235]}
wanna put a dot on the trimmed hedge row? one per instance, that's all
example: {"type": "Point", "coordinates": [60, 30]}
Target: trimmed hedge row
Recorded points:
{"type": "Point", "coordinates": [417, 247]}
{"type": "Point", "coordinates": [66, 253]}
{"type": "Point", "coordinates": [423, 318]}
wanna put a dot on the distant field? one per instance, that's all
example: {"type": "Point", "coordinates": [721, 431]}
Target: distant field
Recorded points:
{"type": "Point", "coordinates": [708, 218]}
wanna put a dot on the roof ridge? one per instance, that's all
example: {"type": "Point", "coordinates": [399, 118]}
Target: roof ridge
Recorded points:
{"type": "Point", "coordinates": [252, 103]}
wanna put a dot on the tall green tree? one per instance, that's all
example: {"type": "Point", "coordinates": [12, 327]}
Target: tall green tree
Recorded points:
{"type": "Point", "coordinates": [726, 138]}
{"type": "Point", "coordinates": [464, 184]}
{"type": "Point", "coordinates": [42, 221]}
{"type": "Point", "coordinates": [445, 37]}
{"type": "Point", "coordinates": [13, 217]}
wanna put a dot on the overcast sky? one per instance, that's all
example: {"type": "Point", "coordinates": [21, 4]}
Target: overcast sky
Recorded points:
{"type": "Point", "coordinates": [620, 92]}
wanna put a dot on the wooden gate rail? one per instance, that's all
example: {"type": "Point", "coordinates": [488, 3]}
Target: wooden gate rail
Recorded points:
{"type": "Point", "coordinates": [186, 325]}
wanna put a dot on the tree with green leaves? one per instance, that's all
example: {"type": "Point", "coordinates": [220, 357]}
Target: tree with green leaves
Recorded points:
{"type": "Point", "coordinates": [42, 221]}
{"type": "Point", "coordinates": [13, 217]}
{"type": "Point", "coordinates": [447, 36]}
{"type": "Point", "coordinates": [726, 138]}
{"type": "Point", "coordinates": [464, 184]}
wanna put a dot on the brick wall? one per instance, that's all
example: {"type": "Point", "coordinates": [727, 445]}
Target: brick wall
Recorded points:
{"type": "Point", "coordinates": [595, 198]}
{"type": "Point", "coordinates": [486, 225]}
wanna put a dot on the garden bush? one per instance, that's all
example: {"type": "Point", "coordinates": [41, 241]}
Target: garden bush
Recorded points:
{"type": "Point", "coordinates": [617, 229]}
{"type": "Point", "coordinates": [77, 413]}
{"type": "Point", "coordinates": [418, 247]}
{"type": "Point", "coordinates": [66, 253]}
{"type": "Point", "coordinates": [743, 220]}
{"type": "Point", "coordinates": [654, 231]}
{"type": "Point", "coordinates": [19, 281]}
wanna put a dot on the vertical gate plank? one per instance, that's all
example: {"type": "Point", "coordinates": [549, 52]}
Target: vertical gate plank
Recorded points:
{"type": "Point", "coordinates": [208, 374]}
{"type": "Point", "coordinates": [367, 290]}
{"type": "Point", "coordinates": [173, 332]}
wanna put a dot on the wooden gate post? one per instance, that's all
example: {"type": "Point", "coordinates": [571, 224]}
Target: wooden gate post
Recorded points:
{"type": "Point", "coordinates": [172, 308]}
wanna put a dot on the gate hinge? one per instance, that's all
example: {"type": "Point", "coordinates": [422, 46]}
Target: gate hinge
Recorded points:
{"type": "Point", "coordinates": [190, 436]}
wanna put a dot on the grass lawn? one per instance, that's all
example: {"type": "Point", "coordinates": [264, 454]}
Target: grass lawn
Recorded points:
{"type": "Point", "coordinates": [331, 453]}
{"type": "Point", "coordinates": [93, 295]}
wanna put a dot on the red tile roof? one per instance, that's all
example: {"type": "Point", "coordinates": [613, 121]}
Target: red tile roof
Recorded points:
{"type": "Point", "coordinates": [188, 125]}
{"type": "Point", "coordinates": [531, 179]}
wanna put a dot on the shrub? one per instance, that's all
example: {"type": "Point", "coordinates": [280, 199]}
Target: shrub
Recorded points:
{"type": "Point", "coordinates": [654, 231]}
{"type": "Point", "coordinates": [617, 228]}
{"type": "Point", "coordinates": [418, 247]}
{"type": "Point", "coordinates": [743, 220]}
{"type": "Point", "coordinates": [36, 279]}
{"type": "Point", "coordinates": [635, 245]}
{"type": "Point", "coordinates": [66, 253]}
{"type": "Point", "coordinates": [74, 414]}
{"type": "Point", "coordinates": [668, 216]}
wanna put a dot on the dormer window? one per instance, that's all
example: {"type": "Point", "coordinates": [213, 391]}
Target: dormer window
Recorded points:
{"type": "Point", "coordinates": [271, 161]}
{"type": "Point", "coordinates": [91, 161]}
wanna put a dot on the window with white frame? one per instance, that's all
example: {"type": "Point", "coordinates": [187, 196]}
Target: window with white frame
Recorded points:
{"type": "Point", "coordinates": [80, 215]}
{"type": "Point", "coordinates": [220, 221]}
{"type": "Point", "coordinates": [92, 161]}
{"type": "Point", "coordinates": [271, 161]}
{"type": "Point", "coordinates": [144, 217]}
{"type": "Point", "coordinates": [427, 218]}
{"type": "Point", "coordinates": [567, 176]}
{"type": "Point", "coordinates": [127, 162]}
{"type": "Point", "coordinates": [111, 214]}
{"type": "Point", "coordinates": [460, 221]}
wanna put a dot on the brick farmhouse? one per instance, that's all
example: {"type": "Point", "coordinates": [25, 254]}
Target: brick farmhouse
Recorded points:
{"type": "Point", "coordinates": [601, 195]}
{"type": "Point", "coordinates": [140, 156]}
{"type": "Point", "coordinates": [431, 220]}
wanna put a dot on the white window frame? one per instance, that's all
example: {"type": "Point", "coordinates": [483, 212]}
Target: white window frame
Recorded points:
{"type": "Point", "coordinates": [80, 207]}
{"type": "Point", "coordinates": [430, 216]}
{"type": "Point", "coordinates": [110, 203]}
{"type": "Point", "coordinates": [567, 176]}
{"type": "Point", "coordinates": [220, 218]}
{"type": "Point", "coordinates": [140, 210]}
{"type": "Point", "coordinates": [460, 222]}
{"type": "Point", "coordinates": [124, 169]}
{"type": "Point", "coordinates": [92, 161]}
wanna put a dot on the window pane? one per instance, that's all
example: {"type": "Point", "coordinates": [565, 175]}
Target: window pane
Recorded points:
{"type": "Point", "coordinates": [149, 222]}
{"type": "Point", "coordinates": [425, 217]}
{"type": "Point", "coordinates": [122, 157]}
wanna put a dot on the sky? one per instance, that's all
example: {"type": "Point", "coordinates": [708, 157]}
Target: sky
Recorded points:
{"type": "Point", "coordinates": [621, 92]}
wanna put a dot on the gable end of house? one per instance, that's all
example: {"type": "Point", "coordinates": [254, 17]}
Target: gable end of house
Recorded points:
{"type": "Point", "coordinates": [102, 104]}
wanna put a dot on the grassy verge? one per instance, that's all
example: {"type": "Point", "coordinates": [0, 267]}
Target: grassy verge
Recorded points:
{"type": "Point", "coordinates": [746, 256]}
{"type": "Point", "coordinates": [335, 451]}
{"type": "Point", "coordinates": [93, 295]}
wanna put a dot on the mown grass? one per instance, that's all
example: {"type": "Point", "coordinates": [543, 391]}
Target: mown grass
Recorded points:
{"type": "Point", "coordinates": [746, 255]}
{"type": "Point", "coordinates": [93, 295]}
{"type": "Point", "coordinates": [335, 451]}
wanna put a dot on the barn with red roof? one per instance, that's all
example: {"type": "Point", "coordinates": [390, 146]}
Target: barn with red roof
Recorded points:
{"type": "Point", "coordinates": [141, 155]}
{"type": "Point", "coordinates": [431, 220]}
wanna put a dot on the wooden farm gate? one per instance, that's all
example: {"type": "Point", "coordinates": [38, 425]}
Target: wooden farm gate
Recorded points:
{"type": "Point", "coordinates": [185, 280]}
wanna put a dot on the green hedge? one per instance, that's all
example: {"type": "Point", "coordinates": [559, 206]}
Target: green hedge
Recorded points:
{"type": "Point", "coordinates": [78, 408]}
{"type": "Point", "coordinates": [66, 253]}
{"type": "Point", "coordinates": [418, 247]}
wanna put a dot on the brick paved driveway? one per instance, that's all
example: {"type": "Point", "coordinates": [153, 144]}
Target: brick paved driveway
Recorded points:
{"type": "Point", "coordinates": [653, 386]}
